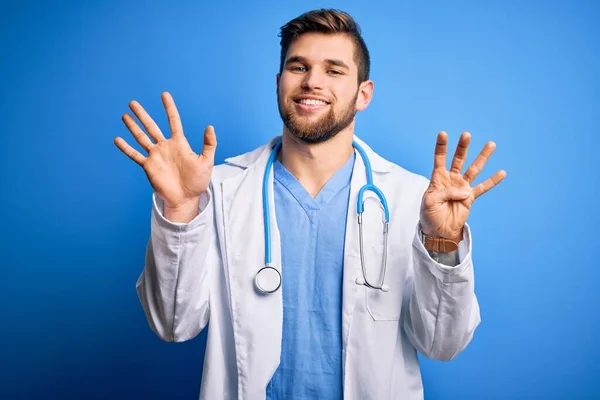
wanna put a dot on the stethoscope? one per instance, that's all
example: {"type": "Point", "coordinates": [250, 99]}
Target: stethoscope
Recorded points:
{"type": "Point", "coordinates": [268, 278]}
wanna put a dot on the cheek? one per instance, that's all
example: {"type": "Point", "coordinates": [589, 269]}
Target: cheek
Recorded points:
{"type": "Point", "coordinates": [345, 97]}
{"type": "Point", "coordinates": [286, 85]}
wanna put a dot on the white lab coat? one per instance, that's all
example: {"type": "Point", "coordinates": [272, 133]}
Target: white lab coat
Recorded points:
{"type": "Point", "coordinates": [205, 270]}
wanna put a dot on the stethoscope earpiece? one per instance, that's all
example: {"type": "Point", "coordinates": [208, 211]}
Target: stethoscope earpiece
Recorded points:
{"type": "Point", "coordinates": [360, 281]}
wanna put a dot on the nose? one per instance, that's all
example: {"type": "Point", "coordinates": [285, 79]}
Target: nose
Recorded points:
{"type": "Point", "coordinates": [313, 80]}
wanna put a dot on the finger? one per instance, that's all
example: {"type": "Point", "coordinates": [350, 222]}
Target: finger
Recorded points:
{"type": "Point", "coordinates": [439, 160]}
{"type": "Point", "coordinates": [455, 194]}
{"type": "Point", "coordinates": [172, 114]}
{"type": "Point", "coordinates": [460, 155]}
{"type": "Point", "coordinates": [130, 151]}
{"type": "Point", "coordinates": [151, 127]}
{"type": "Point", "coordinates": [210, 144]}
{"type": "Point", "coordinates": [137, 132]}
{"type": "Point", "coordinates": [479, 162]}
{"type": "Point", "coordinates": [489, 183]}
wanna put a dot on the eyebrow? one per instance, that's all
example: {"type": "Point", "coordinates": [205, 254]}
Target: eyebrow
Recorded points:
{"type": "Point", "coordinates": [300, 59]}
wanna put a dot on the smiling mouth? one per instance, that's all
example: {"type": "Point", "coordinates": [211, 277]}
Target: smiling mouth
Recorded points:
{"type": "Point", "coordinates": [311, 102]}
{"type": "Point", "coordinates": [310, 105]}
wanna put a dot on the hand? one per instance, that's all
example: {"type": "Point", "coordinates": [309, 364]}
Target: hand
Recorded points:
{"type": "Point", "coordinates": [448, 199]}
{"type": "Point", "coordinates": [177, 174]}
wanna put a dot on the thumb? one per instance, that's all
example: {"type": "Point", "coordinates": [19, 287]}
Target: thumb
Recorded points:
{"type": "Point", "coordinates": [210, 144]}
{"type": "Point", "coordinates": [455, 194]}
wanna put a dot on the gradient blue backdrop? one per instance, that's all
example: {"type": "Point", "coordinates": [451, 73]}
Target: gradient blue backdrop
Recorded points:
{"type": "Point", "coordinates": [76, 212]}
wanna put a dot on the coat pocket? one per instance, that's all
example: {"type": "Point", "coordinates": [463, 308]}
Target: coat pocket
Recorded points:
{"type": "Point", "coordinates": [385, 306]}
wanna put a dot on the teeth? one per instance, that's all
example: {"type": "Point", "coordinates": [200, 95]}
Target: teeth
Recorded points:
{"type": "Point", "coordinates": [312, 102]}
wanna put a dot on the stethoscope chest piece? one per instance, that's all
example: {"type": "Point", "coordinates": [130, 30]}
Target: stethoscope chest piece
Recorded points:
{"type": "Point", "coordinates": [267, 280]}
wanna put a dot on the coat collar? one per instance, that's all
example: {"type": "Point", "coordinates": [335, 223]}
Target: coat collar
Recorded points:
{"type": "Point", "coordinates": [247, 160]}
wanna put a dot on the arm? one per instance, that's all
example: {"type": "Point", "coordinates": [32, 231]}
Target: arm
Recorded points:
{"type": "Point", "coordinates": [174, 285]}
{"type": "Point", "coordinates": [443, 311]}
{"type": "Point", "coordinates": [442, 308]}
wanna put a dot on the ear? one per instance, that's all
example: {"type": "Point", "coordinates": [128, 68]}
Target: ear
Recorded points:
{"type": "Point", "coordinates": [365, 94]}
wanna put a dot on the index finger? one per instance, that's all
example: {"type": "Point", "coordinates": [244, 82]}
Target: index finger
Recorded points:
{"type": "Point", "coordinates": [439, 160]}
{"type": "Point", "coordinates": [172, 114]}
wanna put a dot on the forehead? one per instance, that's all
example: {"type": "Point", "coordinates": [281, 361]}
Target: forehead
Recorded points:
{"type": "Point", "coordinates": [317, 47]}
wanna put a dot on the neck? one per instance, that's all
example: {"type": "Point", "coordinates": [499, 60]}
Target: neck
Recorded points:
{"type": "Point", "coordinates": [314, 164]}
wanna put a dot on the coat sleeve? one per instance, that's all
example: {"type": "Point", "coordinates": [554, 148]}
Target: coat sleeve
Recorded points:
{"type": "Point", "coordinates": [173, 287]}
{"type": "Point", "coordinates": [442, 311]}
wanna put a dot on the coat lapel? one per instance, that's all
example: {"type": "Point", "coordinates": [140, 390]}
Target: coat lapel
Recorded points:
{"type": "Point", "coordinates": [351, 254]}
{"type": "Point", "coordinates": [257, 318]}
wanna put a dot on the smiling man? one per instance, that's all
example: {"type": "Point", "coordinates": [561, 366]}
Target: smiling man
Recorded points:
{"type": "Point", "coordinates": [309, 294]}
{"type": "Point", "coordinates": [317, 96]}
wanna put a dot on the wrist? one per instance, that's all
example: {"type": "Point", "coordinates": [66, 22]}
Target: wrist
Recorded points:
{"type": "Point", "coordinates": [441, 243]}
{"type": "Point", "coordinates": [183, 213]}
{"type": "Point", "coordinates": [453, 236]}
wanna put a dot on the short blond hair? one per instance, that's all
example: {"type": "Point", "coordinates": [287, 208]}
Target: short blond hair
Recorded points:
{"type": "Point", "coordinates": [327, 21]}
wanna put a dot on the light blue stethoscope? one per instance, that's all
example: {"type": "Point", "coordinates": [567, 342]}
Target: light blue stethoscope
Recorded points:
{"type": "Point", "coordinates": [268, 278]}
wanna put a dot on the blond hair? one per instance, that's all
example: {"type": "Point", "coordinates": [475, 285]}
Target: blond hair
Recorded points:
{"type": "Point", "coordinates": [328, 21]}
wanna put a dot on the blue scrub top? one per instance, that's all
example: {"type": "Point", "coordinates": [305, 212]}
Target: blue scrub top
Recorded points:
{"type": "Point", "coordinates": [312, 234]}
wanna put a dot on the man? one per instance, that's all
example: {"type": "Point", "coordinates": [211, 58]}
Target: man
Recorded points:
{"type": "Point", "coordinates": [352, 307]}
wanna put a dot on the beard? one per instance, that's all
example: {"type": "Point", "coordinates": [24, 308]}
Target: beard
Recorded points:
{"type": "Point", "coordinates": [321, 130]}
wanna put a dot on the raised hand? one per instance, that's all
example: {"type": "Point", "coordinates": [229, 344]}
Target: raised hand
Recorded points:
{"type": "Point", "coordinates": [177, 174]}
{"type": "Point", "coordinates": [447, 201]}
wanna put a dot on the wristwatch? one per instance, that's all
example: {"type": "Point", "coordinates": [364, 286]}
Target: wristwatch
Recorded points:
{"type": "Point", "coordinates": [440, 244]}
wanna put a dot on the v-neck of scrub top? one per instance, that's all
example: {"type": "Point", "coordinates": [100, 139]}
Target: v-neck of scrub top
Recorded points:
{"type": "Point", "coordinates": [337, 182]}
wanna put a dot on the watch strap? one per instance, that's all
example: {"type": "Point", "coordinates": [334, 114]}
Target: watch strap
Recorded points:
{"type": "Point", "coordinates": [440, 244]}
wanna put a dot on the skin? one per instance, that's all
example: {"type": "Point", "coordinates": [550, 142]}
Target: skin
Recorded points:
{"type": "Point", "coordinates": [307, 72]}
{"type": "Point", "coordinates": [310, 152]}
{"type": "Point", "coordinates": [177, 174]}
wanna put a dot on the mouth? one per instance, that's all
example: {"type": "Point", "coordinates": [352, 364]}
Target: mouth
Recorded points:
{"type": "Point", "coordinates": [310, 104]}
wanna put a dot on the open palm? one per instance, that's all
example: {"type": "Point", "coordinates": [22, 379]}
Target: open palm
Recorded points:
{"type": "Point", "coordinates": [177, 174]}
{"type": "Point", "coordinates": [448, 199]}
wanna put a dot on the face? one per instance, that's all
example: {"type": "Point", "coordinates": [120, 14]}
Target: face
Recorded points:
{"type": "Point", "coordinates": [318, 93]}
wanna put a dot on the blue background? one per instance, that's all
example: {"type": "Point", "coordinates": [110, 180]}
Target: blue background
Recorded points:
{"type": "Point", "coordinates": [76, 211]}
